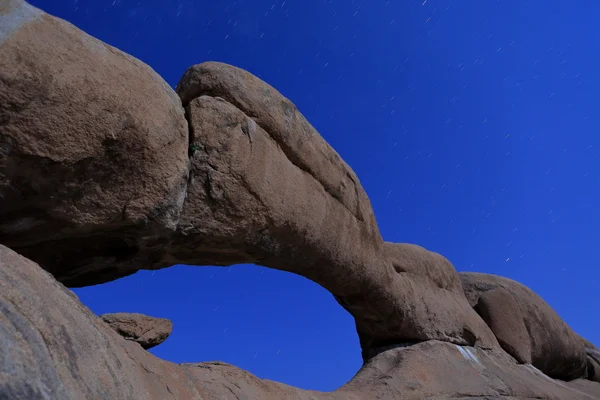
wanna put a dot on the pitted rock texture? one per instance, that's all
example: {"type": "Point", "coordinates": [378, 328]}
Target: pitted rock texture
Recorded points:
{"type": "Point", "coordinates": [104, 170]}
{"type": "Point", "coordinates": [555, 348]}
{"type": "Point", "coordinates": [143, 329]}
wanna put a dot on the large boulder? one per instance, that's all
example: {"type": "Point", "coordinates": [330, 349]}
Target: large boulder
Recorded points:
{"type": "Point", "coordinates": [501, 312]}
{"type": "Point", "coordinates": [593, 360]}
{"type": "Point", "coordinates": [93, 150]}
{"type": "Point", "coordinates": [143, 329]}
{"type": "Point", "coordinates": [555, 348]}
{"type": "Point", "coordinates": [54, 347]}
{"type": "Point", "coordinates": [593, 366]}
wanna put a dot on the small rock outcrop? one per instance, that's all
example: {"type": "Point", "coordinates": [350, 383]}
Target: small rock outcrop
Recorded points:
{"type": "Point", "coordinates": [143, 329]}
{"type": "Point", "coordinates": [105, 170]}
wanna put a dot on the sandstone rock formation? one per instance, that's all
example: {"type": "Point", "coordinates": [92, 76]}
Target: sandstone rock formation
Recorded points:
{"type": "Point", "coordinates": [105, 171]}
{"type": "Point", "coordinates": [143, 329]}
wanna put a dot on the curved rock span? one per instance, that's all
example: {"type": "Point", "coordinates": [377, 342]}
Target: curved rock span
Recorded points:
{"type": "Point", "coordinates": [105, 170]}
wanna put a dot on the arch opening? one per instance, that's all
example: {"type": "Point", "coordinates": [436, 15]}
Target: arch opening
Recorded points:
{"type": "Point", "coordinates": [275, 324]}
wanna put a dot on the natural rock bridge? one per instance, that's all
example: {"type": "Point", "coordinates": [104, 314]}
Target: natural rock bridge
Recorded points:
{"type": "Point", "coordinates": [105, 170]}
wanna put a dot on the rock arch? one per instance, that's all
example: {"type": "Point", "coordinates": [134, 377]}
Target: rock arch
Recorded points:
{"type": "Point", "coordinates": [104, 170]}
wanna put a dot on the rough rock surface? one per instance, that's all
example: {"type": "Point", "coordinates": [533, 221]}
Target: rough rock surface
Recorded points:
{"type": "Point", "coordinates": [143, 329]}
{"type": "Point", "coordinates": [501, 312]}
{"type": "Point", "coordinates": [555, 348]}
{"type": "Point", "coordinates": [53, 347]}
{"type": "Point", "coordinates": [593, 360]}
{"type": "Point", "coordinates": [263, 186]}
{"type": "Point", "coordinates": [249, 203]}
{"type": "Point", "coordinates": [104, 170]}
{"type": "Point", "coordinates": [44, 357]}
{"type": "Point", "coordinates": [93, 149]}
{"type": "Point", "coordinates": [593, 369]}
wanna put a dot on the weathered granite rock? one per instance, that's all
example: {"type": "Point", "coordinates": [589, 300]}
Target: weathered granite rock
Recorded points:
{"type": "Point", "coordinates": [143, 329]}
{"type": "Point", "coordinates": [593, 366]}
{"type": "Point", "coordinates": [249, 203]}
{"type": "Point", "coordinates": [501, 312]}
{"type": "Point", "coordinates": [593, 360]}
{"type": "Point", "coordinates": [93, 150]}
{"type": "Point", "coordinates": [54, 347]}
{"type": "Point", "coordinates": [555, 348]}
{"type": "Point", "coordinates": [103, 172]}
{"type": "Point", "coordinates": [264, 186]}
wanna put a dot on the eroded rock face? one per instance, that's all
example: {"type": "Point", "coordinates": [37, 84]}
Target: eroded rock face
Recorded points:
{"type": "Point", "coordinates": [249, 203]}
{"type": "Point", "coordinates": [593, 360]}
{"type": "Point", "coordinates": [53, 347]}
{"type": "Point", "coordinates": [45, 357]}
{"type": "Point", "coordinates": [264, 186]}
{"type": "Point", "coordinates": [501, 312]}
{"type": "Point", "coordinates": [102, 175]}
{"type": "Point", "coordinates": [93, 150]}
{"type": "Point", "coordinates": [593, 366]}
{"type": "Point", "coordinates": [555, 348]}
{"type": "Point", "coordinates": [439, 370]}
{"type": "Point", "coordinates": [143, 329]}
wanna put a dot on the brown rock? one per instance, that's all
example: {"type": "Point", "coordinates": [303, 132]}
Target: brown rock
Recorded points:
{"type": "Point", "coordinates": [438, 370]}
{"type": "Point", "coordinates": [53, 347]}
{"type": "Point", "coordinates": [143, 329]}
{"type": "Point", "coordinates": [555, 348]}
{"type": "Point", "coordinates": [93, 148]}
{"type": "Point", "coordinates": [593, 366]}
{"type": "Point", "coordinates": [289, 211]}
{"type": "Point", "coordinates": [502, 314]}
{"type": "Point", "coordinates": [44, 356]}
{"type": "Point", "coordinates": [95, 183]}
{"type": "Point", "coordinates": [249, 203]}
{"type": "Point", "coordinates": [593, 360]}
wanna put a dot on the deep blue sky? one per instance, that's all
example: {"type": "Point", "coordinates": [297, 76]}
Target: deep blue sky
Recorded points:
{"type": "Point", "coordinates": [472, 125]}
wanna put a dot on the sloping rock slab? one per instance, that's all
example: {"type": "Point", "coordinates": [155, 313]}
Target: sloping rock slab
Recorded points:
{"type": "Point", "coordinates": [54, 347]}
